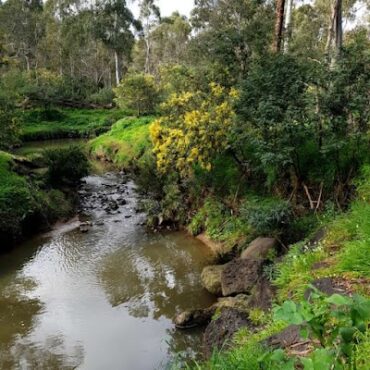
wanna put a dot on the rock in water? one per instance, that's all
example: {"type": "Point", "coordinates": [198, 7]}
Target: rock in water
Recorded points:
{"type": "Point", "coordinates": [194, 318]}
{"type": "Point", "coordinates": [211, 278]}
{"type": "Point", "coordinates": [85, 227]}
{"type": "Point", "coordinates": [260, 248]}
{"type": "Point", "coordinates": [240, 276]}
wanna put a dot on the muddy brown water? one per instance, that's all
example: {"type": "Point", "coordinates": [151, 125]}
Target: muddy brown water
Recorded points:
{"type": "Point", "coordinates": [104, 299]}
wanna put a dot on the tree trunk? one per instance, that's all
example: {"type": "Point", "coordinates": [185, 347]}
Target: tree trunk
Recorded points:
{"type": "Point", "coordinates": [335, 33]}
{"type": "Point", "coordinates": [279, 23]}
{"type": "Point", "coordinates": [147, 56]}
{"type": "Point", "coordinates": [118, 69]}
{"type": "Point", "coordinates": [338, 27]}
{"type": "Point", "coordinates": [288, 25]}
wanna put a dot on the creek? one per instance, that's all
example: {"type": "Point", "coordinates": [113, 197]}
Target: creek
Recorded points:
{"type": "Point", "coordinates": [103, 298]}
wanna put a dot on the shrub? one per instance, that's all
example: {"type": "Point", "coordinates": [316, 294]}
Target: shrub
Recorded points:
{"type": "Point", "coordinates": [267, 216]}
{"type": "Point", "coordinates": [137, 92]}
{"type": "Point", "coordinates": [181, 137]}
{"type": "Point", "coordinates": [102, 97]}
{"type": "Point", "coordinates": [66, 166]}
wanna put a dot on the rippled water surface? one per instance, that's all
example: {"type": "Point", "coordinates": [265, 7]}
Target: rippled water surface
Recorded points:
{"type": "Point", "coordinates": [102, 299]}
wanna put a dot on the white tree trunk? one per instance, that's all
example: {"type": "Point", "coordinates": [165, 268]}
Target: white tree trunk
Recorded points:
{"type": "Point", "coordinates": [288, 25]}
{"type": "Point", "coordinates": [117, 63]}
{"type": "Point", "coordinates": [335, 33]}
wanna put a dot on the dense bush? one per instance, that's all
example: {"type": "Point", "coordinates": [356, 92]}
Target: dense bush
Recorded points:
{"type": "Point", "coordinates": [102, 97]}
{"type": "Point", "coordinates": [267, 216]}
{"type": "Point", "coordinates": [9, 119]}
{"type": "Point", "coordinates": [66, 166]}
{"type": "Point", "coordinates": [302, 123]}
{"type": "Point", "coordinates": [139, 93]}
{"type": "Point", "coordinates": [17, 201]}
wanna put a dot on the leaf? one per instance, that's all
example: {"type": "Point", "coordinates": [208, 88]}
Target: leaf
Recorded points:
{"type": "Point", "coordinates": [338, 300]}
{"type": "Point", "coordinates": [307, 363]}
{"type": "Point", "coordinates": [288, 313]}
{"type": "Point", "coordinates": [278, 355]}
{"type": "Point", "coordinates": [304, 333]}
{"type": "Point", "coordinates": [290, 365]}
{"type": "Point", "coordinates": [362, 307]}
{"type": "Point", "coordinates": [322, 359]}
{"type": "Point", "coordinates": [347, 334]}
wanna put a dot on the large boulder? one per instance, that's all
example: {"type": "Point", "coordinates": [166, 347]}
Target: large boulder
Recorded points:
{"type": "Point", "coordinates": [211, 278]}
{"type": "Point", "coordinates": [222, 329]}
{"type": "Point", "coordinates": [240, 276]}
{"type": "Point", "coordinates": [202, 316]}
{"type": "Point", "coordinates": [260, 248]}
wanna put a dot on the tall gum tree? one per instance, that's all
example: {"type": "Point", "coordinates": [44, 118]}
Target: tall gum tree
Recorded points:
{"type": "Point", "coordinates": [150, 15]}
{"type": "Point", "coordinates": [114, 22]}
{"type": "Point", "coordinates": [279, 24]}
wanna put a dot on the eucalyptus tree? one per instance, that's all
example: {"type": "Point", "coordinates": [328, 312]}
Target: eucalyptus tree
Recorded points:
{"type": "Point", "coordinates": [279, 24]}
{"type": "Point", "coordinates": [150, 16]}
{"type": "Point", "coordinates": [230, 33]}
{"type": "Point", "coordinates": [288, 24]}
{"type": "Point", "coordinates": [22, 26]}
{"type": "Point", "coordinates": [335, 34]}
{"type": "Point", "coordinates": [169, 41]}
{"type": "Point", "coordinates": [114, 23]}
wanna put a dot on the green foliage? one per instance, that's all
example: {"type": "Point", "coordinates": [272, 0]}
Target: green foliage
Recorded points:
{"type": "Point", "coordinates": [362, 352]}
{"type": "Point", "coordinates": [224, 179]}
{"type": "Point", "coordinates": [301, 122]}
{"type": "Point", "coordinates": [336, 321]}
{"type": "Point", "coordinates": [24, 205]}
{"type": "Point", "coordinates": [246, 352]}
{"type": "Point", "coordinates": [9, 125]}
{"type": "Point", "coordinates": [17, 201]}
{"type": "Point", "coordinates": [267, 216]}
{"type": "Point", "coordinates": [58, 206]}
{"type": "Point", "coordinates": [102, 97]}
{"type": "Point", "coordinates": [139, 93]}
{"type": "Point", "coordinates": [66, 166]}
{"type": "Point", "coordinates": [220, 223]}
{"type": "Point", "coordinates": [167, 206]}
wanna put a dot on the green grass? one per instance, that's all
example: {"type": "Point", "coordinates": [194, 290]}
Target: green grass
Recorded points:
{"type": "Point", "coordinates": [41, 124]}
{"type": "Point", "coordinates": [125, 144]}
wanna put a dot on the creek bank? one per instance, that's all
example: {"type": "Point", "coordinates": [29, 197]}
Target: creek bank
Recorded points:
{"type": "Point", "coordinates": [28, 204]}
{"type": "Point", "coordinates": [245, 293]}
{"type": "Point", "coordinates": [241, 287]}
